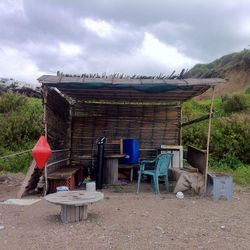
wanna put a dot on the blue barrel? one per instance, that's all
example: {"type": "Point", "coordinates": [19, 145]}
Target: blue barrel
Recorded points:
{"type": "Point", "coordinates": [131, 149]}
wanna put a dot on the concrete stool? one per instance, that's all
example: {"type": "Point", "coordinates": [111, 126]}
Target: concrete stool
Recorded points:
{"type": "Point", "coordinates": [220, 185]}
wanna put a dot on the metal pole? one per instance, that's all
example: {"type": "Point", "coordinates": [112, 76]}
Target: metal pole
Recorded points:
{"type": "Point", "coordinates": [100, 162]}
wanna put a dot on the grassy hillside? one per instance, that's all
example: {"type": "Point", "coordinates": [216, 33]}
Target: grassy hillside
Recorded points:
{"type": "Point", "coordinates": [230, 136]}
{"type": "Point", "coordinates": [235, 68]}
{"type": "Point", "coordinates": [21, 125]}
{"type": "Point", "coordinates": [218, 68]}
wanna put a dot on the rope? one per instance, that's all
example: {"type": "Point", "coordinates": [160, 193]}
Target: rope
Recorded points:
{"type": "Point", "coordinates": [28, 150]}
{"type": "Point", "coordinates": [19, 153]}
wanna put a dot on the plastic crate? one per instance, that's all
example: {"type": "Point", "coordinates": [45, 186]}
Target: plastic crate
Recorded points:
{"type": "Point", "coordinates": [220, 185]}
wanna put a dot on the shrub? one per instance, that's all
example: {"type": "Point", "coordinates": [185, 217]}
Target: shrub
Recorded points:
{"type": "Point", "coordinates": [21, 120]}
{"type": "Point", "coordinates": [19, 163]}
{"type": "Point", "coordinates": [21, 124]}
{"type": "Point", "coordinates": [195, 135]}
{"type": "Point", "coordinates": [246, 58]}
{"type": "Point", "coordinates": [229, 143]}
{"type": "Point", "coordinates": [10, 102]}
{"type": "Point", "coordinates": [247, 91]}
{"type": "Point", "coordinates": [235, 103]}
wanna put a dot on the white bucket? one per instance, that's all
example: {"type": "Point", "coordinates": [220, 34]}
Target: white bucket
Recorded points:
{"type": "Point", "coordinates": [90, 186]}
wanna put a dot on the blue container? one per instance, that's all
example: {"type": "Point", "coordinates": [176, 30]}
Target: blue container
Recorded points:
{"type": "Point", "coordinates": [131, 149]}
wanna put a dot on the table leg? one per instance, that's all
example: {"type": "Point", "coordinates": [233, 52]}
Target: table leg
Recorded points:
{"type": "Point", "coordinates": [131, 174]}
{"type": "Point", "coordinates": [112, 170]}
{"type": "Point", "coordinates": [73, 213]}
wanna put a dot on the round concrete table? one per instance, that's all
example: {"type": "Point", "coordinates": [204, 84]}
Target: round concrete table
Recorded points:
{"type": "Point", "coordinates": [74, 204]}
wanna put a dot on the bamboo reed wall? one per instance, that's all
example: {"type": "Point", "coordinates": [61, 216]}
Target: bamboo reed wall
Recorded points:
{"type": "Point", "coordinates": [151, 125]}
{"type": "Point", "coordinates": [75, 132]}
{"type": "Point", "coordinates": [58, 129]}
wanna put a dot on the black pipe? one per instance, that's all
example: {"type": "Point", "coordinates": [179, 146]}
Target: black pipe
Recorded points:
{"type": "Point", "coordinates": [100, 162]}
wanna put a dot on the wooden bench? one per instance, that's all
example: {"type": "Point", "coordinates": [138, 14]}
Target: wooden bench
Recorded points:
{"type": "Point", "coordinates": [62, 177]}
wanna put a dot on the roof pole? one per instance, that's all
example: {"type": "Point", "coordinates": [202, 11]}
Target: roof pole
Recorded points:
{"type": "Point", "coordinates": [208, 136]}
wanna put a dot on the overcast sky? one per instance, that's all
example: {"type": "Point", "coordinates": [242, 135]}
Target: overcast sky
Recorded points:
{"type": "Point", "coordinates": [127, 36]}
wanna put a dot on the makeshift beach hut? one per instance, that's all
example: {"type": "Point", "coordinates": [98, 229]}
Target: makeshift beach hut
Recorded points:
{"type": "Point", "coordinates": [78, 109]}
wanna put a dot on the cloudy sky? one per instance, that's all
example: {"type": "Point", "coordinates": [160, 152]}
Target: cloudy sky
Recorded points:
{"type": "Point", "coordinates": [127, 36]}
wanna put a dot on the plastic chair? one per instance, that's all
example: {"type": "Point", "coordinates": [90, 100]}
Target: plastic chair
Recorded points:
{"type": "Point", "coordinates": [161, 165]}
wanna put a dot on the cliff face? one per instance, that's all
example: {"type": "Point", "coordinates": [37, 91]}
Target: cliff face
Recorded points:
{"type": "Point", "coordinates": [235, 68]}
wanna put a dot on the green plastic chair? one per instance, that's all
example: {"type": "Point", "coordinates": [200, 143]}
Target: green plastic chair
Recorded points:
{"type": "Point", "coordinates": [161, 165]}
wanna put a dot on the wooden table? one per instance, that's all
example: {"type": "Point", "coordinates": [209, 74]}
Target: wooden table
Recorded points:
{"type": "Point", "coordinates": [74, 204]}
{"type": "Point", "coordinates": [111, 168]}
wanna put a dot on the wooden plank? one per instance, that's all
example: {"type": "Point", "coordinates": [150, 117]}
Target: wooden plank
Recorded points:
{"type": "Point", "coordinates": [63, 173]}
{"type": "Point", "coordinates": [26, 180]}
{"type": "Point", "coordinates": [197, 159]}
{"type": "Point", "coordinates": [202, 118]}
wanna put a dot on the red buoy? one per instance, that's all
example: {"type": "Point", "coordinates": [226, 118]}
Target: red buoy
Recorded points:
{"type": "Point", "coordinates": [41, 152]}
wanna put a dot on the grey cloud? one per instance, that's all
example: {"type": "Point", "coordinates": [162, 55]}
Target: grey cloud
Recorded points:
{"type": "Point", "coordinates": [203, 30]}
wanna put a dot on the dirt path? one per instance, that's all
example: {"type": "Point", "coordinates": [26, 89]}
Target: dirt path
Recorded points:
{"type": "Point", "coordinates": [130, 221]}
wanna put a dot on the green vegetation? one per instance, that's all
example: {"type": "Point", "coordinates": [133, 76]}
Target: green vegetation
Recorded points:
{"type": "Point", "coordinates": [230, 135]}
{"type": "Point", "coordinates": [214, 69]}
{"type": "Point", "coordinates": [247, 91]}
{"type": "Point", "coordinates": [21, 125]}
{"type": "Point", "coordinates": [234, 103]}
{"type": "Point", "coordinates": [241, 175]}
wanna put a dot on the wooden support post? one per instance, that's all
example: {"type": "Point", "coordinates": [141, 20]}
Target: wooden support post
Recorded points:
{"type": "Point", "coordinates": [45, 94]}
{"type": "Point", "coordinates": [70, 132]}
{"type": "Point", "coordinates": [180, 129]}
{"type": "Point", "coordinates": [208, 137]}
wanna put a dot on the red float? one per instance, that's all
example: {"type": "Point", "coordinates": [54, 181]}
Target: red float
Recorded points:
{"type": "Point", "coordinates": [41, 152]}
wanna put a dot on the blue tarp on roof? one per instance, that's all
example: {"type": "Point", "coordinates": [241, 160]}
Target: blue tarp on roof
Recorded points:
{"type": "Point", "coordinates": [148, 88]}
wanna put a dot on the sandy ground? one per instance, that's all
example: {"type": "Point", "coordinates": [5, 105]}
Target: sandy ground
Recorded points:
{"type": "Point", "coordinates": [124, 220]}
